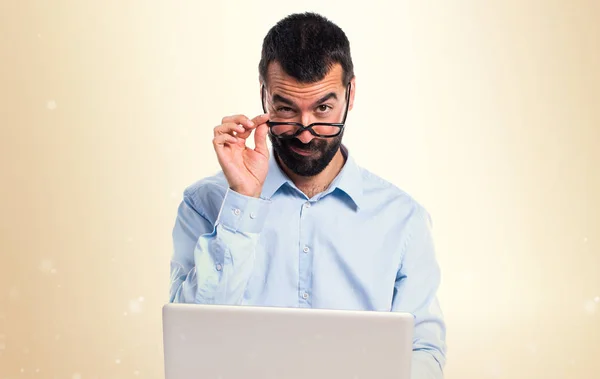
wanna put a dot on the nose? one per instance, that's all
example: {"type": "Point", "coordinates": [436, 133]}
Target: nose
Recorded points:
{"type": "Point", "coordinates": [306, 118]}
{"type": "Point", "coordinates": [305, 136]}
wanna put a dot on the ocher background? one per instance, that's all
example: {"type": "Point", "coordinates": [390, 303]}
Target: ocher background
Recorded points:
{"type": "Point", "coordinates": [486, 112]}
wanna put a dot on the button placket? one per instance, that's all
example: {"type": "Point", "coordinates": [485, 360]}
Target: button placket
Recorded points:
{"type": "Point", "coordinates": [305, 259]}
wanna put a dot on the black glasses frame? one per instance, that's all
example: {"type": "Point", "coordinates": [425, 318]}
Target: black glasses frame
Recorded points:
{"type": "Point", "coordinates": [301, 127]}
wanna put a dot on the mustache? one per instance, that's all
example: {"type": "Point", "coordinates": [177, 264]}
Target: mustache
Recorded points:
{"type": "Point", "coordinates": [313, 145]}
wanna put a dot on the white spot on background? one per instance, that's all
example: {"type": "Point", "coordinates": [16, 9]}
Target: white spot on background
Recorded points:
{"type": "Point", "coordinates": [76, 376]}
{"type": "Point", "coordinates": [117, 361]}
{"type": "Point", "coordinates": [136, 373]}
{"type": "Point", "coordinates": [37, 370]}
{"type": "Point", "coordinates": [57, 337]}
{"type": "Point", "coordinates": [585, 239]}
{"type": "Point", "coordinates": [124, 313]}
{"type": "Point", "coordinates": [174, 195]}
{"type": "Point", "coordinates": [572, 362]}
{"type": "Point", "coordinates": [51, 105]}
{"type": "Point", "coordinates": [597, 299]}
{"type": "Point", "coordinates": [46, 266]}
{"type": "Point", "coordinates": [22, 370]}
{"type": "Point", "coordinates": [2, 345]}
{"type": "Point", "coordinates": [129, 239]}
{"type": "Point", "coordinates": [135, 306]}
{"type": "Point", "coordinates": [591, 306]}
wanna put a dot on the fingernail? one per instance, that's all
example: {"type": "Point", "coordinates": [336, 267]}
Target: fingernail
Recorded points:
{"type": "Point", "coordinates": [250, 123]}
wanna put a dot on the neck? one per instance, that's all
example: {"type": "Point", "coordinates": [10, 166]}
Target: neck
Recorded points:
{"type": "Point", "coordinates": [313, 185]}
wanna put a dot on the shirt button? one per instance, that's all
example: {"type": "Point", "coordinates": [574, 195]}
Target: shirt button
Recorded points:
{"type": "Point", "coordinates": [219, 267]}
{"type": "Point", "coordinates": [236, 212]}
{"type": "Point", "coordinates": [307, 205]}
{"type": "Point", "coordinates": [305, 295]}
{"type": "Point", "coordinates": [306, 249]}
{"type": "Point", "coordinates": [252, 215]}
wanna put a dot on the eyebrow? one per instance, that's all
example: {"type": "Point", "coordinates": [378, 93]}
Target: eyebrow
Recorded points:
{"type": "Point", "coordinates": [280, 99]}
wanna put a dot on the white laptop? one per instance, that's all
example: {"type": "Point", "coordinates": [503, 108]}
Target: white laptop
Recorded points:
{"type": "Point", "coordinates": [247, 342]}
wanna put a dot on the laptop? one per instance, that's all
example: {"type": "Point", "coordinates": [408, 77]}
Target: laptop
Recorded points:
{"type": "Point", "coordinates": [250, 342]}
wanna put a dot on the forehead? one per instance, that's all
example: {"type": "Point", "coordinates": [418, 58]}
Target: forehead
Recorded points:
{"type": "Point", "coordinates": [280, 83]}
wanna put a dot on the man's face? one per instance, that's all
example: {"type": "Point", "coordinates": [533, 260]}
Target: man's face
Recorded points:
{"type": "Point", "coordinates": [287, 100]}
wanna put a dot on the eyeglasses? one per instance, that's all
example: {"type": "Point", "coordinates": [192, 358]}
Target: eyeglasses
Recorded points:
{"type": "Point", "coordinates": [289, 130]}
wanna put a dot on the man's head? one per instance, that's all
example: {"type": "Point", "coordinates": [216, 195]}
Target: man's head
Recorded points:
{"type": "Point", "coordinates": [306, 69]}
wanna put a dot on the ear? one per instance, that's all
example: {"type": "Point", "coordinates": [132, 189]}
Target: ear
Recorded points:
{"type": "Point", "coordinates": [352, 92]}
{"type": "Point", "coordinates": [261, 83]}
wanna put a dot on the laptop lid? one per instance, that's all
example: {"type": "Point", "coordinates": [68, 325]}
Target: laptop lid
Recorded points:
{"type": "Point", "coordinates": [246, 342]}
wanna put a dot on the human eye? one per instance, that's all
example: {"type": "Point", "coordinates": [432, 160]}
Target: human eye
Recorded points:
{"type": "Point", "coordinates": [323, 108]}
{"type": "Point", "coordinates": [284, 109]}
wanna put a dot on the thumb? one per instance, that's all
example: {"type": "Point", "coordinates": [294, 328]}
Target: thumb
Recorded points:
{"type": "Point", "coordinates": [260, 139]}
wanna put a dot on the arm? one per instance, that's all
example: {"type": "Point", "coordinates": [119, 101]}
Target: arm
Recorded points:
{"type": "Point", "coordinates": [211, 264]}
{"type": "Point", "coordinates": [415, 292]}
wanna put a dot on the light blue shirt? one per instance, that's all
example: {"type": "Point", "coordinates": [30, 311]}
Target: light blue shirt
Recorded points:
{"type": "Point", "coordinates": [363, 244]}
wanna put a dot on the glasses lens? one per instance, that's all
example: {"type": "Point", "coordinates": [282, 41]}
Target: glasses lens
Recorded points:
{"type": "Point", "coordinates": [284, 130]}
{"type": "Point", "coordinates": [325, 130]}
{"type": "Point", "coordinates": [288, 130]}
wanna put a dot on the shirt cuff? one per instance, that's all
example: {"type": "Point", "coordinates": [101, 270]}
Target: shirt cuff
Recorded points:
{"type": "Point", "coordinates": [243, 213]}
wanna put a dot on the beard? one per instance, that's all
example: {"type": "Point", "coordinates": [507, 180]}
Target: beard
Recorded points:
{"type": "Point", "coordinates": [322, 152]}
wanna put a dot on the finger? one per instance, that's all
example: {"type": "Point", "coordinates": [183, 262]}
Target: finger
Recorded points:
{"type": "Point", "coordinates": [238, 119]}
{"type": "Point", "coordinates": [260, 139]}
{"type": "Point", "coordinates": [228, 128]}
{"type": "Point", "coordinates": [225, 139]}
{"type": "Point", "coordinates": [261, 119]}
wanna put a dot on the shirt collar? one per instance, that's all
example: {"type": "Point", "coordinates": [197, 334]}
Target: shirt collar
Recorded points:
{"type": "Point", "coordinates": [349, 180]}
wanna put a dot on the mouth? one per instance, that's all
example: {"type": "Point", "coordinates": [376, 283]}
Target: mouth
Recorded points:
{"type": "Point", "coordinates": [302, 152]}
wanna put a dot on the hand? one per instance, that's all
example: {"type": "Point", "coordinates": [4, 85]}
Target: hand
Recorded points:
{"type": "Point", "coordinates": [245, 168]}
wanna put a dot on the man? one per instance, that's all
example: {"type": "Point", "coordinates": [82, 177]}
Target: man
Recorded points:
{"type": "Point", "coordinates": [304, 225]}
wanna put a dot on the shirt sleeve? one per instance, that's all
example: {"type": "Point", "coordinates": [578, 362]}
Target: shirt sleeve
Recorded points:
{"type": "Point", "coordinates": [211, 264]}
{"type": "Point", "coordinates": [415, 292]}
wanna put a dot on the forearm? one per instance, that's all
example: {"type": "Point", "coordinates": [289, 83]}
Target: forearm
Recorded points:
{"type": "Point", "coordinates": [223, 266]}
{"type": "Point", "coordinates": [223, 260]}
{"type": "Point", "coordinates": [425, 366]}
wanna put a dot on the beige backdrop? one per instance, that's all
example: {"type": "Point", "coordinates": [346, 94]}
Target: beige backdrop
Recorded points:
{"type": "Point", "coordinates": [486, 112]}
